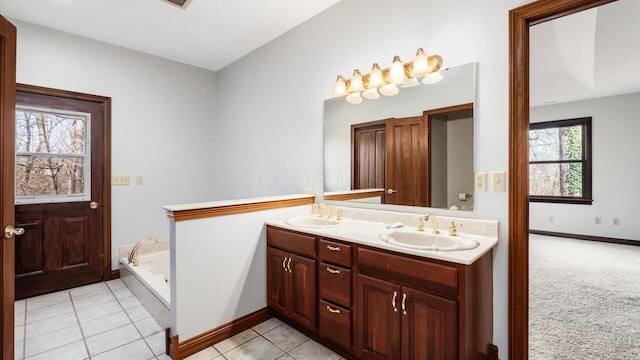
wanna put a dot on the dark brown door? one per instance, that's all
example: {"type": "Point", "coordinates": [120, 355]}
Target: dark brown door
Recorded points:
{"type": "Point", "coordinates": [7, 141]}
{"type": "Point", "coordinates": [277, 279]}
{"type": "Point", "coordinates": [303, 290]}
{"type": "Point", "coordinates": [378, 323]}
{"type": "Point", "coordinates": [59, 192]}
{"type": "Point", "coordinates": [369, 155]}
{"type": "Point", "coordinates": [429, 326]}
{"type": "Point", "coordinates": [408, 162]}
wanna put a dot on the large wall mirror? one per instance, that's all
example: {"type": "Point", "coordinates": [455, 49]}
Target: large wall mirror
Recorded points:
{"type": "Point", "coordinates": [411, 149]}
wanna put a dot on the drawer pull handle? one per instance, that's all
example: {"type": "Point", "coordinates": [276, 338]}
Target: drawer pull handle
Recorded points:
{"type": "Point", "coordinates": [393, 301]}
{"type": "Point", "coordinates": [333, 311]}
{"type": "Point", "coordinates": [283, 264]}
{"type": "Point", "coordinates": [333, 271]}
{"type": "Point", "coordinates": [289, 265]}
{"type": "Point", "coordinates": [333, 248]}
{"type": "Point", "coordinates": [404, 305]}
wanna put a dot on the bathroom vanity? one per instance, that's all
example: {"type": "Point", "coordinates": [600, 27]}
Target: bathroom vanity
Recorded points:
{"type": "Point", "coordinates": [352, 289]}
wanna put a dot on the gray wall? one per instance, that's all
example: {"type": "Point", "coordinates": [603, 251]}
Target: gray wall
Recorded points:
{"type": "Point", "coordinates": [616, 170]}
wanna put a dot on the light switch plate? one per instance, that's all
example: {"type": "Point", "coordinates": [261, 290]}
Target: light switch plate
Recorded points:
{"type": "Point", "coordinates": [498, 181]}
{"type": "Point", "coordinates": [138, 179]}
{"type": "Point", "coordinates": [120, 180]}
{"type": "Point", "coordinates": [480, 181]}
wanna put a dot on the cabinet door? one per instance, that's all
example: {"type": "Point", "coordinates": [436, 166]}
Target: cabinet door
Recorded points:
{"type": "Point", "coordinates": [303, 290]}
{"type": "Point", "coordinates": [378, 323]}
{"type": "Point", "coordinates": [429, 326]}
{"type": "Point", "coordinates": [277, 276]}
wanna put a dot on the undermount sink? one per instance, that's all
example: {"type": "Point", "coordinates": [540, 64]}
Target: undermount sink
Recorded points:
{"type": "Point", "coordinates": [315, 221]}
{"type": "Point", "coordinates": [427, 241]}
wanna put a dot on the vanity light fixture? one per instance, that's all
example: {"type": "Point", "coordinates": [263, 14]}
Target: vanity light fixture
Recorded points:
{"type": "Point", "coordinates": [387, 81]}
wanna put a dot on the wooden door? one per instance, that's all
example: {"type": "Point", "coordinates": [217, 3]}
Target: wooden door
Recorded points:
{"type": "Point", "coordinates": [368, 155]}
{"type": "Point", "coordinates": [277, 279]}
{"type": "Point", "coordinates": [408, 162]}
{"type": "Point", "coordinates": [429, 326]}
{"type": "Point", "coordinates": [60, 157]}
{"type": "Point", "coordinates": [378, 320]}
{"type": "Point", "coordinates": [7, 143]}
{"type": "Point", "coordinates": [303, 290]}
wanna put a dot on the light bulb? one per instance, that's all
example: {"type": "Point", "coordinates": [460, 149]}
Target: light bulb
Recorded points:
{"type": "Point", "coordinates": [420, 64]}
{"type": "Point", "coordinates": [432, 78]}
{"type": "Point", "coordinates": [340, 88]}
{"type": "Point", "coordinates": [356, 84]}
{"type": "Point", "coordinates": [396, 72]}
{"type": "Point", "coordinates": [371, 93]}
{"type": "Point", "coordinates": [375, 78]}
{"type": "Point", "coordinates": [410, 82]}
{"type": "Point", "coordinates": [389, 89]}
{"type": "Point", "coordinates": [354, 98]}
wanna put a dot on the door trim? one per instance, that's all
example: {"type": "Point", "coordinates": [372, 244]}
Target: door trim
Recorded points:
{"type": "Point", "coordinates": [519, 21]}
{"type": "Point", "coordinates": [107, 274]}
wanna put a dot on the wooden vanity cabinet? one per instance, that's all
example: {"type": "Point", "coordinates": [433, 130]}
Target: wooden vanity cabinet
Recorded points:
{"type": "Point", "coordinates": [291, 275]}
{"type": "Point", "coordinates": [335, 316]}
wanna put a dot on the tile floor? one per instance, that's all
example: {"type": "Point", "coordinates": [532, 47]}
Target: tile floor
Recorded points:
{"type": "Point", "coordinates": [105, 321]}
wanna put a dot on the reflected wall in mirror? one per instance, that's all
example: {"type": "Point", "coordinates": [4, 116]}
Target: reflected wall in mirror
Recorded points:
{"type": "Point", "coordinates": [414, 149]}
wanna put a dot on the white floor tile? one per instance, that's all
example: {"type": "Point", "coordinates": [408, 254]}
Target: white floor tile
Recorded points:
{"type": "Point", "coordinates": [88, 301]}
{"type": "Point", "coordinates": [99, 311]}
{"type": "Point", "coordinates": [116, 284]}
{"type": "Point", "coordinates": [106, 323]}
{"type": "Point", "coordinates": [137, 350]}
{"type": "Point", "coordinates": [138, 313]}
{"type": "Point", "coordinates": [122, 293]}
{"type": "Point", "coordinates": [48, 312]}
{"type": "Point", "coordinates": [19, 306]}
{"type": "Point", "coordinates": [129, 302]}
{"type": "Point", "coordinates": [47, 300]}
{"type": "Point", "coordinates": [89, 290]}
{"type": "Point", "coordinates": [157, 343]}
{"type": "Point", "coordinates": [311, 350]}
{"type": "Point", "coordinates": [256, 349]}
{"type": "Point", "coordinates": [285, 337]}
{"type": "Point", "coordinates": [18, 350]}
{"type": "Point", "coordinates": [265, 326]}
{"type": "Point", "coordinates": [206, 354]}
{"type": "Point", "coordinates": [112, 339]}
{"type": "Point", "coordinates": [148, 326]}
{"type": "Point", "coordinates": [51, 324]}
{"type": "Point", "coordinates": [52, 340]}
{"type": "Point", "coordinates": [74, 351]}
{"type": "Point", "coordinates": [235, 341]}
{"type": "Point", "coordinates": [18, 333]}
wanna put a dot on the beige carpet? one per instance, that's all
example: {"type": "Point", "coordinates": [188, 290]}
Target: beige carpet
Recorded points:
{"type": "Point", "coordinates": [584, 300]}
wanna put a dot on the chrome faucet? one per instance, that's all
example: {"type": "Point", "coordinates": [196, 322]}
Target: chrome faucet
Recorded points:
{"type": "Point", "coordinates": [133, 255]}
{"type": "Point", "coordinates": [434, 223]}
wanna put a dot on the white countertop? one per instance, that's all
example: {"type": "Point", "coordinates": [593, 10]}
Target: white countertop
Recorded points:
{"type": "Point", "coordinates": [367, 233]}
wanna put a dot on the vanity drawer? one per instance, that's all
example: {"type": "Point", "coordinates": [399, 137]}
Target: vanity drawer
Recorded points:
{"type": "Point", "coordinates": [291, 241]}
{"type": "Point", "coordinates": [334, 323]}
{"type": "Point", "coordinates": [420, 273]}
{"type": "Point", "coordinates": [334, 252]}
{"type": "Point", "coordinates": [334, 284]}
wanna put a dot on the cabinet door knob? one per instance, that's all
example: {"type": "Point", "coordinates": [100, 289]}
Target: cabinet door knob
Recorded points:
{"type": "Point", "coordinates": [333, 271]}
{"type": "Point", "coordinates": [334, 311]}
{"type": "Point", "coordinates": [404, 305]}
{"type": "Point", "coordinates": [333, 248]}
{"type": "Point", "coordinates": [393, 301]}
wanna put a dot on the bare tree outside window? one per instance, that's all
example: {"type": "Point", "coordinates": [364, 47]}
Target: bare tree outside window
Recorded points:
{"type": "Point", "coordinates": [560, 161]}
{"type": "Point", "coordinates": [52, 157]}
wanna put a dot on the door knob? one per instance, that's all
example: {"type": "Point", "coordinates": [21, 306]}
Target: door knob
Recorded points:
{"type": "Point", "coordinates": [93, 205]}
{"type": "Point", "coordinates": [391, 191]}
{"type": "Point", "coordinates": [9, 231]}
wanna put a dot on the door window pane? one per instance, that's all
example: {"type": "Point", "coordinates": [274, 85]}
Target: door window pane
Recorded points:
{"type": "Point", "coordinates": [52, 155]}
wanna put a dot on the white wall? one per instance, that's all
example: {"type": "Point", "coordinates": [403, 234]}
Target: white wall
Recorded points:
{"type": "Point", "coordinates": [161, 121]}
{"type": "Point", "coordinates": [615, 129]}
{"type": "Point", "coordinates": [270, 103]}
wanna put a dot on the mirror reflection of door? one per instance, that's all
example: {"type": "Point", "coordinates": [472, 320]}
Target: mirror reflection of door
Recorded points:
{"type": "Point", "coordinates": [59, 196]}
{"type": "Point", "coordinates": [422, 161]}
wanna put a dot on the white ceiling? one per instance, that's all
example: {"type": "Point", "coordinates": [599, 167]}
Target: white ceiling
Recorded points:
{"type": "Point", "coordinates": [209, 33]}
{"type": "Point", "coordinates": [590, 54]}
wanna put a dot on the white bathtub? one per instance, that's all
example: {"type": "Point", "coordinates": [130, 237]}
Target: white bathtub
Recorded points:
{"type": "Point", "coordinates": [149, 282]}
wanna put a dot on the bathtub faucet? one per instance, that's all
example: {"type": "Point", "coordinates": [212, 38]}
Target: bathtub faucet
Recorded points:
{"type": "Point", "coordinates": [133, 255]}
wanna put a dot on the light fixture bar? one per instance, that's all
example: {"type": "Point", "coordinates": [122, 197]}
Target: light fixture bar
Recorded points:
{"type": "Point", "coordinates": [435, 60]}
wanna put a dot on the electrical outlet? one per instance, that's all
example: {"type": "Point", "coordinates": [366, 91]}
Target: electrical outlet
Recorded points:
{"type": "Point", "coordinates": [615, 221]}
{"type": "Point", "coordinates": [498, 181]}
{"type": "Point", "coordinates": [598, 220]}
{"type": "Point", "coordinates": [120, 180]}
{"type": "Point", "coordinates": [138, 179]}
{"type": "Point", "coordinates": [480, 181]}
